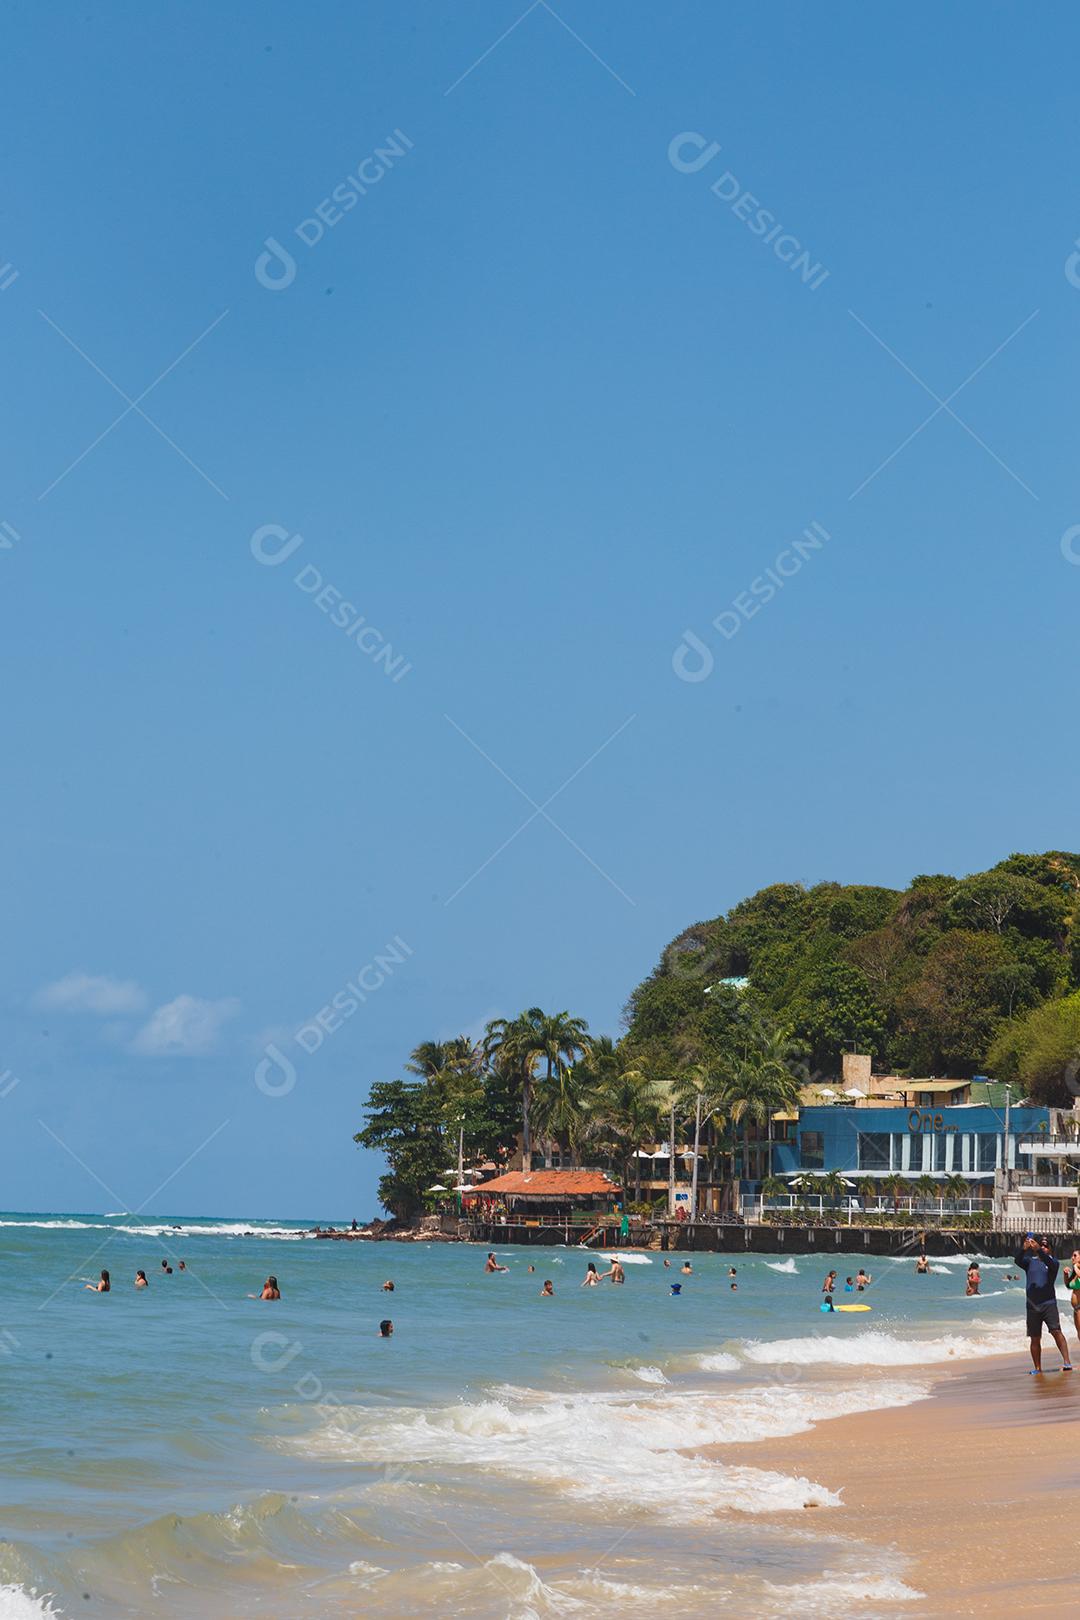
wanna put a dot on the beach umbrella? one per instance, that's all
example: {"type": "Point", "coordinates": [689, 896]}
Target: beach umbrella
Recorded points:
{"type": "Point", "coordinates": [438, 1187]}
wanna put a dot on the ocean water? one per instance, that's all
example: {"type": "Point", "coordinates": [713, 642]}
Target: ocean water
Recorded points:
{"type": "Point", "coordinates": [187, 1452]}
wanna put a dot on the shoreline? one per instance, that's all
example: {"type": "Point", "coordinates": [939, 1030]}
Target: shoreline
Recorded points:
{"type": "Point", "coordinates": [977, 1486]}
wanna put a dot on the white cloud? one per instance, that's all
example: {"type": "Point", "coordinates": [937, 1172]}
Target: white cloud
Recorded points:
{"type": "Point", "coordinates": [91, 992]}
{"type": "Point", "coordinates": [186, 1027]}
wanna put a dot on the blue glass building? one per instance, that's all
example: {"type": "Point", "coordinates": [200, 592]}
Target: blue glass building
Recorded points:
{"type": "Point", "coordinates": [880, 1141]}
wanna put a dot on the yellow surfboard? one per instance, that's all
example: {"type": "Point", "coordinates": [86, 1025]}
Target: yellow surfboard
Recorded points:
{"type": "Point", "coordinates": [853, 1307]}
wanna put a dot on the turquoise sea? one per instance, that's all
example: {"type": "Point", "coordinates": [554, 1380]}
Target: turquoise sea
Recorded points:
{"type": "Point", "coordinates": [186, 1452]}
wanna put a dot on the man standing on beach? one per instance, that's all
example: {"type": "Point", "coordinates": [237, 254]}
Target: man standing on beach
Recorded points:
{"type": "Point", "coordinates": [1035, 1259]}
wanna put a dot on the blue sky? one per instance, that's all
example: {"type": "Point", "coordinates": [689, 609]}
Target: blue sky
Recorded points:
{"type": "Point", "coordinates": [540, 401]}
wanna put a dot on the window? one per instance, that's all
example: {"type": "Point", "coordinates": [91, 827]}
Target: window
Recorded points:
{"type": "Point", "coordinates": [873, 1150]}
{"type": "Point", "coordinates": [812, 1150]}
{"type": "Point", "coordinates": [937, 1163]}
{"type": "Point", "coordinates": [987, 1152]}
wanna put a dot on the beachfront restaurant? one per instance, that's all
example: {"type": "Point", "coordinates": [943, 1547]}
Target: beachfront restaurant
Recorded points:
{"type": "Point", "coordinates": [542, 1197]}
{"type": "Point", "coordinates": [873, 1142]}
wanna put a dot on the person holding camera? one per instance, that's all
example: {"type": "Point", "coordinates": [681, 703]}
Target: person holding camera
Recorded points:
{"type": "Point", "coordinates": [1035, 1258]}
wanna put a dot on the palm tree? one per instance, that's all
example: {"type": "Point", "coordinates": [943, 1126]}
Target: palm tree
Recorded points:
{"type": "Point", "coordinates": [559, 1040]}
{"type": "Point", "coordinates": [626, 1114]}
{"type": "Point", "coordinates": [516, 1045]}
{"type": "Point", "coordinates": [895, 1187]}
{"type": "Point", "coordinates": [429, 1058]}
{"type": "Point", "coordinates": [831, 1186]}
{"type": "Point", "coordinates": [867, 1188]}
{"type": "Point", "coordinates": [926, 1188]}
{"type": "Point", "coordinates": [773, 1055]}
{"type": "Point", "coordinates": [771, 1187]}
{"type": "Point", "coordinates": [697, 1093]}
{"type": "Point", "coordinates": [561, 1107]}
{"type": "Point", "coordinates": [955, 1189]}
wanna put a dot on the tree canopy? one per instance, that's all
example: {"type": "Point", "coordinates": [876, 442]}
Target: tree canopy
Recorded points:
{"type": "Point", "coordinates": [925, 979]}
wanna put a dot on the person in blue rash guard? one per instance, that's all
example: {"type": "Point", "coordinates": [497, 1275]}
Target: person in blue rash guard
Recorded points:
{"type": "Point", "coordinates": [1034, 1258]}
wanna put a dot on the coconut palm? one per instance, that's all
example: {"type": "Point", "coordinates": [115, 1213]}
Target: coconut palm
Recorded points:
{"type": "Point", "coordinates": [697, 1094]}
{"type": "Point", "coordinates": [895, 1187]}
{"type": "Point", "coordinates": [926, 1188]}
{"type": "Point", "coordinates": [516, 1045]}
{"type": "Point", "coordinates": [626, 1113]}
{"type": "Point", "coordinates": [559, 1040]}
{"type": "Point", "coordinates": [429, 1058]}
{"type": "Point", "coordinates": [955, 1189]}
{"type": "Point", "coordinates": [831, 1186]}
{"type": "Point", "coordinates": [562, 1107]}
{"type": "Point", "coordinates": [772, 1187]}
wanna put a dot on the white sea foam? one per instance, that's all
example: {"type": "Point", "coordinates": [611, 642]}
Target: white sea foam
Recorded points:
{"type": "Point", "coordinates": [164, 1228]}
{"type": "Point", "coordinates": [18, 1604]}
{"type": "Point", "coordinates": [610, 1450]}
{"type": "Point", "coordinates": [627, 1259]}
{"type": "Point", "coordinates": [942, 1271]}
{"type": "Point", "coordinates": [648, 1375]}
{"type": "Point", "coordinates": [787, 1266]}
{"type": "Point", "coordinates": [878, 1348]}
{"type": "Point", "coordinates": [717, 1361]}
{"type": "Point", "coordinates": [837, 1594]}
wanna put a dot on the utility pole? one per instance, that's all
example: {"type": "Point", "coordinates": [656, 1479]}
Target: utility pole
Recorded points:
{"type": "Point", "coordinates": [671, 1163]}
{"type": "Point", "coordinates": [460, 1159]}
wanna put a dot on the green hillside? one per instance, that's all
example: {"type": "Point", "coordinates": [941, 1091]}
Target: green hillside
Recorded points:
{"type": "Point", "coordinates": [950, 976]}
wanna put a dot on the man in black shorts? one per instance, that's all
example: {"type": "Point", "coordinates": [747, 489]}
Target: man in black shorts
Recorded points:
{"type": "Point", "coordinates": [1036, 1260]}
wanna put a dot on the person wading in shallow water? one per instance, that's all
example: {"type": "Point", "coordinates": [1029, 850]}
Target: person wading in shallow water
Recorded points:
{"type": "Point", "coordinates": [1042, 1308]}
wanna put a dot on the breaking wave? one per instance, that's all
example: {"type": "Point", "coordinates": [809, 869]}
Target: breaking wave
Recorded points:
{"type": "Point", "coordinates": [610, 1450]}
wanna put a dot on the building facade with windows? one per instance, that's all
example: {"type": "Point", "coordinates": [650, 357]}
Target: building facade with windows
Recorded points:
{"type": "Point", "coordinates": [875, 1141]}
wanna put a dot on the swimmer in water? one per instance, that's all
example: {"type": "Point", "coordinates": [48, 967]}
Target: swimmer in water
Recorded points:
{"type": "Point", "coordinates": [829, 1284]}
{"type": "Point", "coordinates": [973, 1280]}
{"type": "Point", "coordinates": [687, 1269]}
{"type": "Point", "coordinates": [849, 1286]}
{"type": "Point", "coordinates": [862, 1280]}
{"type": "Point", "coordinates": [270, 1290]}
{"type": "Point", "coordinates": [667, 1265]}
{"type": "Point", "coordinates": [532, 1268]}
{"type": "Point", "coordinates": [922, 1266]}
{"type": "Point", "coordinates": [591, 1276]}
{"type": "Point", "coordinates": [102, 1287]}
{"type": "Point", "coordinates": [388, 1287]}
{"type": "Point", "coordinates": [491, 1264]}
{"type": "Point", "coordinates": [734, 1287]}
{"type": "Point", "coordinates": [386, 1328]}
{"type": "Point", "coordinates": [548, 1291]}
{"type": "Point", "coordinates": [676, 1288]}
{"type": "Point", "coordinates": [183, 1265]}
{"type": "Point", "coordinates": [616, 1274]}
{"type": "Point", "coordinates": [140, 1280]}
{"type": "Point", "coordinates": [731, 1271]}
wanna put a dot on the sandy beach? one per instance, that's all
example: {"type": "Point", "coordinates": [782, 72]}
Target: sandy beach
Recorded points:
{"type": "Point", "coordinates": [977, 1486]}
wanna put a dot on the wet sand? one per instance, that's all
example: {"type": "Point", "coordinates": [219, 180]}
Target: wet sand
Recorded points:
{"type": "Point", "coordinates": [978, 1487]}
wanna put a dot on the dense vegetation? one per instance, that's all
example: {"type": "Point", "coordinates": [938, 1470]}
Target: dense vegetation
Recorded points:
{"type": "Point", "coordinates": [950, 977]}
{"type": "Point", "coordinates": [944, 977]}
{"type": "Point", "coordinates": [542, 1078]}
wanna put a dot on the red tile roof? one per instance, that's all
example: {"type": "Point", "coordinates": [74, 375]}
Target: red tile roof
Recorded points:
{"type": "Point", "coordinates": [550, 1184]}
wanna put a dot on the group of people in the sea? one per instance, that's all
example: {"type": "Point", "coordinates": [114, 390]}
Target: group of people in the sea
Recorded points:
{"type": "Point", "coordinates": [1034, 1259]}
{"type": "Point", "coordinates": [104, 1282]}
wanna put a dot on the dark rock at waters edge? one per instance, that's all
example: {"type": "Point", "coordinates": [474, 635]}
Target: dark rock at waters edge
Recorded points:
{"type": "Point", "coordinates": [426, 1231]}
